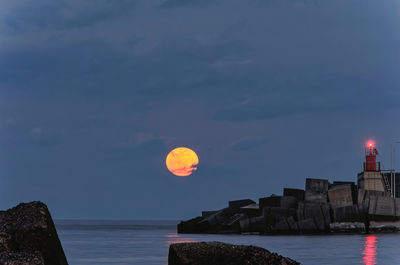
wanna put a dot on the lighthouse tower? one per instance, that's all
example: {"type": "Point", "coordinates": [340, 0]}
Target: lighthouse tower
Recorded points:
{"type": "Point", "coordinates": [370, 158]}
{"type": "Point", "coordinates": [371, 178]}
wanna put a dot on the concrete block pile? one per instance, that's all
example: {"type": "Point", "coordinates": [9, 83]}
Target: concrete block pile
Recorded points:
{"type": "Point", "coordinates": [322, 207]}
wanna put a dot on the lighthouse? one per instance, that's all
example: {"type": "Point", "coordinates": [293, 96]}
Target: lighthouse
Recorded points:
{"type": "Point", "coordinates": [370, 163]}
{"type": "Point", "coordinates": [371, 178]}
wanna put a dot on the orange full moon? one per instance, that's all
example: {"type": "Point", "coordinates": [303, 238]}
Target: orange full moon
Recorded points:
{"type": "Point", "coordinates": [182, 161]}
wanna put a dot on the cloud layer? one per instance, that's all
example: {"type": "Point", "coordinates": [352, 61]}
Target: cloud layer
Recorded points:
{"type": "Point", "coordinates": [95, 94]}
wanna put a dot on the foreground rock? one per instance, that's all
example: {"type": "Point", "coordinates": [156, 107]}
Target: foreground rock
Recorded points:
{"type": "Point", "coordinates": [28, 236]}
{"type": "Point", "coordinates": [217, 253]}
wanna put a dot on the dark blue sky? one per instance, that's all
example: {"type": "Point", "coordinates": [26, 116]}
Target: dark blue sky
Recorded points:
{"type": "Point", "coordinates": [94, 94]}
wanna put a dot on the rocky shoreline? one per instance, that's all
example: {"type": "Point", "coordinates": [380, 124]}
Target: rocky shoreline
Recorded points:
{"type": "Point", "coordinates": [28, 236]}
{"type": "Point", "coordinates": [322, 208]}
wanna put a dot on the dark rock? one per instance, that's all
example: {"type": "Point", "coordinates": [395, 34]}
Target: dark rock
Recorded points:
{"type": "Point", "coordinates": [298, 193]}
{"type": "Point", "coordinates": [240, 203]}
{"type": "Point", "coordinates": [216, 253]}
{"type": "Point", "coordinates": [21, 258]}
{"type": "Point", "coordinates": [272, 201]}
{"type": "Point", "coordinates": [28, 236]}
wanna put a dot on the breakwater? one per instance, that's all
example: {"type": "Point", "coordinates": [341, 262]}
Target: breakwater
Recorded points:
{"type": "Point", "coordinates": [322, 207]}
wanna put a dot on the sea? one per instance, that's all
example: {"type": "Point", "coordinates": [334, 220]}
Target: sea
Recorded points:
{"type": "Point", "coordinates": [97, 242]}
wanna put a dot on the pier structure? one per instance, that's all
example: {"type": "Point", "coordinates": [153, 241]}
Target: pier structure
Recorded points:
{"type": "Point", "coordinates": [372, 204]}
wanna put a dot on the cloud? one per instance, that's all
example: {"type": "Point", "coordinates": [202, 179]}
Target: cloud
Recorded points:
{"type": "Point", "coordinates": [36, 131]}
{"type": "Point", "coordinates": [46, 14]}
{"type": "Point", "coordinates": [144, 137]}
{"type": "Point", "coordinates": [114, 84]}
{"type": "Point", "coordinates": [179, 3]}
{"type": "Point", "coordinates": [249, 144]}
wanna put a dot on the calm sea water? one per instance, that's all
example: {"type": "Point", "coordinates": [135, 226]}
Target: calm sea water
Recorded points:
{"type": "Point", "coordinates": [147, 242]}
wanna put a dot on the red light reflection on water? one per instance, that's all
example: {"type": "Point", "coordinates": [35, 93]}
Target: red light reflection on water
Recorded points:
{"type": "Point", "coordinates": [175, 238]}
{"type": "Point", "coordinates": [369, 252]}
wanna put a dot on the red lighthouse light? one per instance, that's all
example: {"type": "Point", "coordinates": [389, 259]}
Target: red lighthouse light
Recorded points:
{"type": "Point", "coordinates": [370, 157]}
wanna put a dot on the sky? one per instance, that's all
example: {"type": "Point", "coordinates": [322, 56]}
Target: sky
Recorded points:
{"type": "Point", "coordinates": [94, 94]}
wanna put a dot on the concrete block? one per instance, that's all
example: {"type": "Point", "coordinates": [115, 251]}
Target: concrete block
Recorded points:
{"type": "Point", "coordinates": [251, 210]}
{"type": "Point", "coordinates": [372, 205]}
{"type": "Point", "coordinates": [289, 202]}
{"type": "Point", "coordinates": [307, 225]}
{"type": "Point", "coordinates": [220, 217]}
{"type": "Point", "coordinates": [240, 203]}
{"type": "Point", "coordinates": [272, 201]}
{"type": "Point", "coordinates": [347, 214]}
{"type": "Point", "coordinates": [371, 180]}
{"type": "Point", "coordinates": [255, 224]}
{"type": "Point", "coordinates": [292, 224]}
{"type": "Point", "coordinates": [326, 211]}
{"type": "Point", "coordinates": [316, 190]}
{"type": "Point", "coordinates": [298, 193]}
{"type": "Point", "coordinates": [282, 226]}
{"type": "Point", "coordinates": [207, 213]}
{"type": "Point", "coordinates": [385, 206]}
{"type": "Point", "coordinates": [300, 211]}
{"type": "Point", "coordinates": [386, 226]}
{"type": "Point", "coordinates": [312, 210]}
{"type": "Point", "coordinates": [244, 224]}
{"type": "Point", "coordinates": [234, 221]}
{"type": "Point", "coordinates": [279, 212]}
{"type": "Point", "coordinates": [317, 211]}
{"type": "Point", "coordinates": [266, 211]}
{"type": "Point", "coordinates": [292, 212]}
{"type": "Point", "coordinates": [191, 226]}
{"type": "Point", "coordinates": [397, 207]}
{"type": "Point", "coordinates": [340, 195]}
{"type": "Point", "coordinates": [364, 195]}
{"type": "Point", "coordinates": [361, 196]}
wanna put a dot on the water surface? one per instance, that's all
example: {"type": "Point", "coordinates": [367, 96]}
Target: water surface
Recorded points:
{"type": "Point", "coordinates": [147, 242]}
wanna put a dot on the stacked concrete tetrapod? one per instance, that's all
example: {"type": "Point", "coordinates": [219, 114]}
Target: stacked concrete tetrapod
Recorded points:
{"type": "Point", "coordinates": [320, 208]}
{"type": "Point", "coordinates": [313, 213]}
{"type": "Point", "coordinates": [346, 214]}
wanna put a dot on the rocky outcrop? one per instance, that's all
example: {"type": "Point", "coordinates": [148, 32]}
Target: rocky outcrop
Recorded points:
{"type": "Point", "coordinates": [21, 258]}
{"type": "Point", "coordinates": [217, 253]}
{"type": "Point", "coordinates": [28, 236]}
